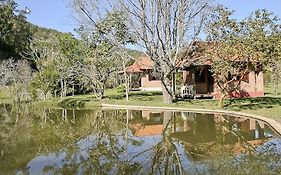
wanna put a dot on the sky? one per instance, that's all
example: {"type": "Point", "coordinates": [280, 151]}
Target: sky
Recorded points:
{"type": "Point", "coordinates": [49, 13]}
{"type": "Point", "coordinates": [56, 15]}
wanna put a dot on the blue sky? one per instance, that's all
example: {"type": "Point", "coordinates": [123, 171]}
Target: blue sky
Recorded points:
{"type": "Point", "coordinates": [55, 13]}
{"type": "Point", "coordinates": [49, 13]}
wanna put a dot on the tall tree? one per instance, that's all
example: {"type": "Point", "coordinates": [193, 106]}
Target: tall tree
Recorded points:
{"type": "Point", "coordinates": [240, 47]}
{"type": "Point", "coordinates": [165, 29]}
{"type": "Point", "coordinates": [107, 33]}
{"type": "Point", "coordinates": [16, 77]}
{"type": "Point", "coordinates": [14, 30]}
{"type": "Point", "coordinates": [59, 60]}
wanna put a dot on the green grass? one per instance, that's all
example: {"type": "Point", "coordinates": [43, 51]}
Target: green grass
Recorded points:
{"type": "Point", "coordinates": [269, 90]}
{"type": "Point", "coordinates": [268, 106]}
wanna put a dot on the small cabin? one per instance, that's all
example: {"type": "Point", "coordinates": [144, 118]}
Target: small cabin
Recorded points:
{"type": "Point", "coordinates": [145, 81]}
{"type": "Point", "coordinates": [199, 77]}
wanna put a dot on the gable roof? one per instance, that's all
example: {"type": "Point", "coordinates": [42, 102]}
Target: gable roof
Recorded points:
{"type": "Point", "coordinates": [141, 64]}
{"type": "Point", "coordinates": [196, 56]}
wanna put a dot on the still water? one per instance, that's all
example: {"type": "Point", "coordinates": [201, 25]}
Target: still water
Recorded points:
{"type": "Point", "coordinates": [56, 141]}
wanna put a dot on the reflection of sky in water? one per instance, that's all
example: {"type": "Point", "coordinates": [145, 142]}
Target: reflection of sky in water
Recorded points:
{"type": "Point", "coordinates": [184, 127]}
{"type": "Point", "coordinates": [273, 144]}
{"type": "Point", "coordinates": [39, 163]}
{"type": "Point", "coordinates": [57, 160]}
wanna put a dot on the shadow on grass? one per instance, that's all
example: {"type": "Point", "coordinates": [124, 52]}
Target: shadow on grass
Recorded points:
{"type": "Point", "coordinates": [73, 102]}
{"type": "Point", "coordinates": [253, 103]}
{"type": "Point", "coordinates": [142, 96]}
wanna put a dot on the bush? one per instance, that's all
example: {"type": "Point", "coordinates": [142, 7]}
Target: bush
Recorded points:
{"type": "Point", "coordinates": [121, 88]}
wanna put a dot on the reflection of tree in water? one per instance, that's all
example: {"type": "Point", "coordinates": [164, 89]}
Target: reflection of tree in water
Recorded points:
{"type": "Point", "coordinates": [103, 142]}
{"type": "Point", "coordinates": [258, 162]}
{"type": "Point", "coordinates": [222, 152]}
{"type": "Point", "coordinates": [234, 152]}
{"type": "Point", "coordinates": [27, 132]}
{"type": "Point", "coordinates": [105, 150]}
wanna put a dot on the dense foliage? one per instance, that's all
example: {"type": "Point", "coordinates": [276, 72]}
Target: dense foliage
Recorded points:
{"type": "Point", "coordinates": [238, 47]}
{"type": "Point", "coordinates": [15, 31]}
{"type": "Point", "coordinates": [63, 65]}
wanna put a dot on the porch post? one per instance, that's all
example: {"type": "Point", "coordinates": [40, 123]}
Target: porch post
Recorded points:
{"type": "Point", "coordinates": [193, 78]}
{"type": "Point", "coordinates": [184, 77]}
{"type": "Point", "coordinates": [130, 81]}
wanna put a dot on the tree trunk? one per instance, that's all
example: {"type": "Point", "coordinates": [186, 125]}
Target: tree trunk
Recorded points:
{"type": "Point", "coordinates": [72, 90]}
{"type": "Point", "coordinates": [102, 91]}
{"type": "Point", "coordinates": [221, 101]}
{"type": "Point", "coordinates": [276, 88]}
{"type": "Point", "coordinates": [61, 86]}
{"type": "Point", "coordinates": [174, 85]}
{"type": "Point", "coordinates": [168, 115]}
{"type": "Point", "coordinates": [167, 97]}
{"type": "Point", "coordinates": [275, 84]}
{"type": "Point", "coordinates": [65, 89]}
{"type": "Point", "coordinates": [193, 81]}
{"type": "Point", "coordinates": [126, 81]}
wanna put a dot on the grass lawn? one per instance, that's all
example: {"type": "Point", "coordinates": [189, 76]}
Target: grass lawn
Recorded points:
{"type": "Point", "coordinates": [268, 106]}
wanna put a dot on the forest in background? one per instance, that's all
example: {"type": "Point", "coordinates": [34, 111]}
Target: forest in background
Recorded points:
{"type": "Point", "coordinates": [38, 63]}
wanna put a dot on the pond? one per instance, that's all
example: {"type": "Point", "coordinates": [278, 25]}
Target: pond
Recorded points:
{"type": "Point", "coordinates": [59, 141]}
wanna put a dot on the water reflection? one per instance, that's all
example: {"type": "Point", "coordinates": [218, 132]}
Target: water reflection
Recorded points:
{"type": "Point", "coordinates": [48, 141]}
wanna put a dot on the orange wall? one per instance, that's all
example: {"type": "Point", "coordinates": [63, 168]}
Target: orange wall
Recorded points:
{"type": "Point", "coordinates": [253, 88]}
{"type": "Point", "coordinates": [146, 82]}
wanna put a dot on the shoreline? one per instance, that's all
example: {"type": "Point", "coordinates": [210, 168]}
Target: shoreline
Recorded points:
{"type": "Point", "coordinates": [275, 125]}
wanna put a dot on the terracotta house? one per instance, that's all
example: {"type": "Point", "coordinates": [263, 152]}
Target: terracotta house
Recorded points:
{"type": "Point", "coordinates": [200, 77]}
{"type": "Point", "coordinates": [146, 82]}
{"type": "Point", "coordinates": [252, 85]}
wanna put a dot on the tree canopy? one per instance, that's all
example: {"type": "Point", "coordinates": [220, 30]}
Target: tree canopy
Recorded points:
{"type": "Point", "coordinates": [15, 31]}
{"type": "Point", "coordinates": [239, 47]}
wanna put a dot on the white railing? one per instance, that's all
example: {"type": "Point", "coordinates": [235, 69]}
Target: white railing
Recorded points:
{"type": "Point", "coordinates": [187, 91]}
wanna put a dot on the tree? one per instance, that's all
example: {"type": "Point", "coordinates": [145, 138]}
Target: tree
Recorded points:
{"type": "Point", "coordinates": [274, 65]}
{"type": "Point", "coordinates": [44, 52]}
{"type": "Point", "coordinates": [14, 30]}
{"type": "Point", "coordinates": [225, 44]}
{"type": "Point", "coordinates": [274, 69]}
{"type": "Point", "coordinates": [264, 32]}
{"type": "Point", "coordinates": [165, 29]}
{"type": "Point", "coordinates": [240, 47]}
{"type": "Point", "coordinates": [107, 34]}
{"type": "Point", "coordinates": [59, 60]}
{"type": "Point", "coordinates": [162, 28]}
{"type": "Point", "coordinates": [16, 77]}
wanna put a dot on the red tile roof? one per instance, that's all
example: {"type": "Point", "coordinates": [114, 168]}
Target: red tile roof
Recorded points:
{"type": "Point", "coordinates": [141, 64]}
{"type": "Point", "coordinates": [198, 56]}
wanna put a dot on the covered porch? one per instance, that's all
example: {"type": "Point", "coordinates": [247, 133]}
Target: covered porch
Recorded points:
{"type": "Point", "coordinates": [198, 82]}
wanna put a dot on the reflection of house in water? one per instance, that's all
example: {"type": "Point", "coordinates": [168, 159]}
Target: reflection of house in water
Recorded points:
{"type": "Point", "coordinates": [198, 128]}
{"type": "Point", "coordinates": [218, 128]}
{"type": "Point", "coordinates": [254, 129]}
{"type": "Point", "coordinates": [148, 123]}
